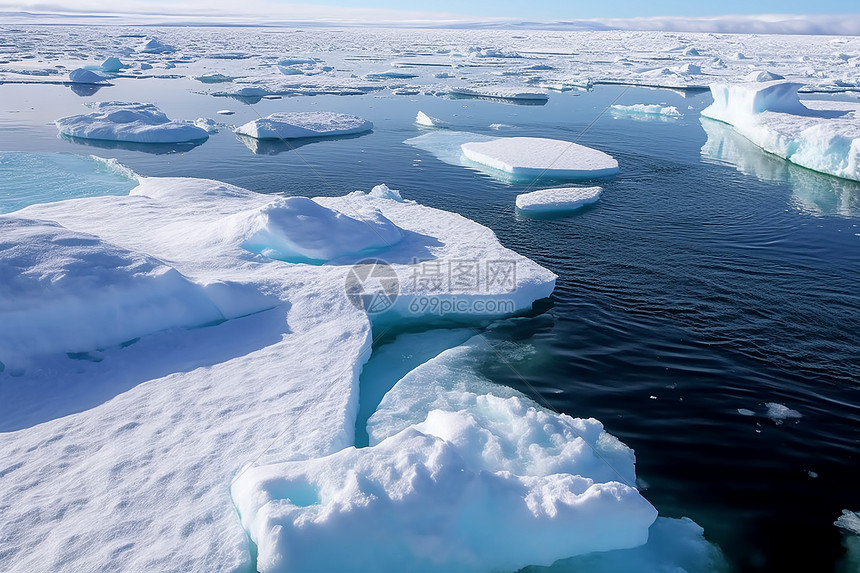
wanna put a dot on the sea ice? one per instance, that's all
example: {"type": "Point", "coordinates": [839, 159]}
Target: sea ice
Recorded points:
{"type": "Point", "coordinates": [502, 93]}
{"type": "Point", "coordinates": [648, 109]}
{"type": "Point", "coordinates": [849, 521]}
{"type": "Point", "coordinates": [298, 229]}
{"type": "Point", "coordinates": [557, 199]}
{"type": "Point", "coordinates": [154, 46]}
{"type": "Point", "coordinates": [129, 122]}
{"type": "Point", "coordinates": [460, 475]}
{"type": "Point", "coordinates": [292, 125]}
{"type": "Point", "coordinates": [779, 413]}
{"type": "Point", "coordinates": [113, 65]}
{"type": "Point", "coordinates": [821, 136]}
{"type": "Point", "coordinates": [425, 120]}
{"type": "Point", "coordinates": [540, 157]}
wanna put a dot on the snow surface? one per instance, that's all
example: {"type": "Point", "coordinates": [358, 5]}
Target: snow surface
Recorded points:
{"type": "Point", "coordinates": [292, 125]}
{"type": "Point", "coordinates": [823, 138]}
{"type": "Point", "coordinates": [541, 157]}
{"type": "Point", "coordinates": [557, 199]}
{"type": "Point", "coordinates": [139, 443]}
{"type": "Point", "coordinates": [130, 123]}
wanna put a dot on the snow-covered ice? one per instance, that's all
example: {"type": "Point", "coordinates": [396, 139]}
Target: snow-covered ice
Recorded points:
{"type": "Point", "coordinates": [541, 157]}
{"type": "Point", "coordinates": [292, 125]}
{"type": "Point", "coordinates": [84, 76]}
{"type": "Point", "coordinates": [460, 475]}
{"type": "Point", "coordinates": [298, 229]}
{"type": "Point", "coordinates": [557, 199]}
{"type": "Point", "coordinates": [502, 93]}
{"type": "Point", "coordinates": [647, 109]}
{"type": "Point", "coordinates": [425, 120]}
{"type": "Point", "coordinates": [822, 136]}
{"type": "Point", "coordinates": [130, 123]}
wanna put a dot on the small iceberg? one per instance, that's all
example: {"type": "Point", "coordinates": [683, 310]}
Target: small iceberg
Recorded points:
{"type": "Point", "coordinates": [129, 123]}
{"type": "Point", "coordinates": [541, 157]}
{"type": "Point", "coordinates": [292, 125]}
{"type": "Point", "coordinates": [559, 199]}
{"type": "Point", "coordinates": [503, 93]}
{"type": "Point", "coordinates": [85, 76]}
{"type": "Point", "coordinates": [154, 46]}
{"type": "Point", "coordinates": [819, 135]}
{"type": "Point", "coordinates": [113, 65]}
{"type": "Point", "coordinates": [425, 120]}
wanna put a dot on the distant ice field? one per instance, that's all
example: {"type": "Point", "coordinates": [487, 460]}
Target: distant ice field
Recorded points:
{"type": "Point", "coordinates": [710, 278]}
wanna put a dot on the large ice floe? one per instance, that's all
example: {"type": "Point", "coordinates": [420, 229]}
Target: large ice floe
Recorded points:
{"type": "Point", "coordinates": [167, 370]}
{"type": "Point", "coordinates": [818, 135]}
{"type": "Point", "coordinates": [129, 123]}
{"type": "Point", "coordinates": [541, 157]}
{"type": "Point", "coordinates": [293, 125]}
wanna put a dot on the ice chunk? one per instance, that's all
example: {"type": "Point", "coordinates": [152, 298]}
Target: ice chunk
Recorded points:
{"type": "Point", "coordinates": [291, 125]}
{"type": "Point", "coordinates": [503, 93]}
{"type": "Point", "coordinates": [154, 46]}
{"type": "Point", "coordinates": [470, 477]}
{"type": "Point", "coordinates": [425, 120]}
{"type": "Point", "coordinates": [84, 76]}
{"type": "Point", "coordinates": [299, 229]}
{"type": "Point", "coordinates": [649, 109]}
{"type": "Point", "coordinates": [849, 521]}
{"type": "Point", "coordinates": [113, 65]}
{"type": "Point", "coordinates": [129, 122]}
{"type": "Point", "coordinates": [557, 199]}
{"type": "Point", "coordinates": [540, 157]}
{"type": "Point", "coordinates": [762, 76]}
{"type": "Point", "coordinates": [770, 114]}
{"type": "Point", "coordinates": [779, 413]}
{"type": "Point", "coordinates": [65, 292]}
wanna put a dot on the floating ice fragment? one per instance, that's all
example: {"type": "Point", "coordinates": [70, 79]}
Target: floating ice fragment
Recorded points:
{"type": "Point", "coordinates": [225, 112]}
{"type": "Point", "coordinates": [427, 121]}
{"type": "Point", "coordinates": [558, 199]}
{"type": "Point", "coordinates": [129, 122]}
{"type": "Point", "coordinates": [113, 65]}
{"type": "Point", "coordinates": [745, 412]}
{"type": "Point", "coordinates": [648, 109]}
{"type": "Point", "coordinates": [291, 125]}
{"type": "Point", "coordinates": [780, 412]}
{"type": "Point", "coordinates": [541, 157]}
{"type": "Point", "coordinates": [849, 521]}
{"type": "Point", "coordinates": [501, 93]}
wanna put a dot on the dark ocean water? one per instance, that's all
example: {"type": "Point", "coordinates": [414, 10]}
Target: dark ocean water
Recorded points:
{"type": "Point", "coordinates": [709, 278]}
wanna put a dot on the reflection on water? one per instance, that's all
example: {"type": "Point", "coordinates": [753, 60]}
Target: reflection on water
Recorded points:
{"type": "Point", "coordinates": [813, 193]}
{"type": "Point", "coordinates": [276, 146]}
{"type": "Point", "coordinates": [154, 148]}
{"type": "Point", "coordinates": [85, 90]}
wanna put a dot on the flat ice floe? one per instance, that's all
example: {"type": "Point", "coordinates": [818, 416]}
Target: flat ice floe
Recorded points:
{"type": "Point", "coordinates": [502, 93]}
{"type": "Point", "coordinates": [557, 199]}
{"type": "Point", "coordinates": [818, 135]}
{"type": "Point", "coordinates": [647, 109]}
{"type": "Point", "coordinates": [293, 125]}
{"type": "Point", "coordinates": [541, 157]}
{"type": "Point", "coordinates": [129, 123]}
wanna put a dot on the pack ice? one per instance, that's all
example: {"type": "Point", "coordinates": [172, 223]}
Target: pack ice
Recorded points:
{"type": "Point", "coordinates": [822, 136]}
{"type": "Point", "coordinates": [541, 157]}
{"type": "Point", "coordinates": [130, 123]}
{"type": "Point", "coordinates": [292, 125]}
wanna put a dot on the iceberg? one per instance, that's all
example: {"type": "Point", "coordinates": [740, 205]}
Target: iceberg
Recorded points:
{"type": "Point", "coordinates": [425, 120]}
{"type": "Point", "coordinates": [84, 76]}
{"type": "Point", "coordinates": [557, 199]}
{"type": "Point", "coordinates": [541, 157]}
{"type": "Point", "coordinates": [822, 136]}
{"type": "Point", "coordinates": [130, 123]}
{"type": "Point", "coordinates": [113, 65]}
{"type": "Point", "coordinates": [293, 125]}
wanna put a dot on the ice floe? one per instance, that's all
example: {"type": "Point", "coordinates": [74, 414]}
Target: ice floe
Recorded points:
{"type": "Point", "coordinates": [779, 413]}
{"type": "Point", "coordinates": [558, 199]}
{"type": "Point", "coordinates": [822, 136]}
{"type": "Point", "coordinates": [647, 109]}
{"type": "Point", "coordinates": [541, 157]}
{"type": "Point", "coordinates": [460, 475]}
{"type": "Point", "coordinates": [502, 93]}
{"type": "Point", "coordinates": [292, 125]}
{"type": "Point", "coordinates": [129, 122]}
